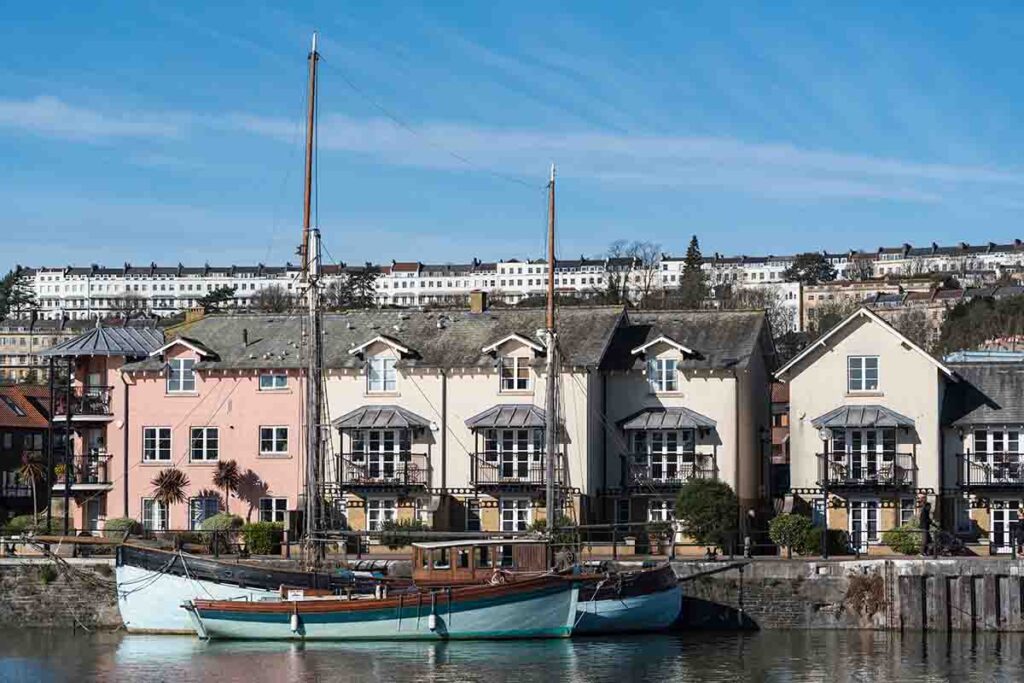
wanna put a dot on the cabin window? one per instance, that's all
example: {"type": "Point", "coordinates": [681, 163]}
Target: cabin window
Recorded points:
{"type": "Point", "coordinates": [381, 376]}
{"type": "Point", "coordinates": [273, 510]}
{"type": "Point", "coordinates": [442, 558]}
{"type": "Point", "coordinates": [484, 559]}
{"type": "Point", "coordinates": [515, 514]}
{"type": "Point", "coordinates": [272, 381]}
{"type": "Point", "coordinates": [424, 558]}
{"type": "Point", "coordinates": [862, 373]}
{"type": "Point", "coordinates": [505, 554]}
{"type": "Point", "coordinates": [463, 558]}
{"type": "Point", "coordinates": [473, 515]}
{"type": "Point", "coordinates": [661, 374]}
{"type": "Point", "coordinates": [156, 444]}
{"type": "Point", "coordinates": [205, 444]}
{"type": "Point", "coordinates": [181, 376]}
{"type": "Point", "coordinates": [515, 373]}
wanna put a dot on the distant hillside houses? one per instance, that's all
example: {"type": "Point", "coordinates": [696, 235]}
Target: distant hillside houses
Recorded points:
{"type": "Point", "coordinates": [95, 291]}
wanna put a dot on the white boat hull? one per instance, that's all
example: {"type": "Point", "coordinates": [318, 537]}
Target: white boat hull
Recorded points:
{"type": "Point", "coordinates": [546, 613]}
{"type": "Point", "coordinates": [650, 612]}
{"type": "Point", "coordinates": [150, 602]}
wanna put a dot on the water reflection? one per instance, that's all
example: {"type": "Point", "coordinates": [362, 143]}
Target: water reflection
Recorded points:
{"type": "Point", "coordinates": [766, 656]}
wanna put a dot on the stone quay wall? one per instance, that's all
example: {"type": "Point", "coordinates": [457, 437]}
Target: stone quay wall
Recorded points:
{"type": "Point", "coordinates": [77, 594]}
{"type": "Point", "coordinates": [960, 594]}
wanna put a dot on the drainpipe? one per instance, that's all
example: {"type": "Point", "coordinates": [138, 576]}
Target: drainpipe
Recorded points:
{"type": "Point", "coordinates": [444, 431]}
{"type": "Point", "coordinates": [124, 443]}
{"type": "Point", "coordinates": [604, 432]}
{"type": "Point", "coordinates": [736, 453]}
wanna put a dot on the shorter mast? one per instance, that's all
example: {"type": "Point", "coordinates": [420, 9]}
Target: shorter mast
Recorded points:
{"type": "Point", "coordinates": [551, 398]}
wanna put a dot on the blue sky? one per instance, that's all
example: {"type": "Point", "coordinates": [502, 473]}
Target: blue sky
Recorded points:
{"type": "Point", "coordinates": [173, 131]}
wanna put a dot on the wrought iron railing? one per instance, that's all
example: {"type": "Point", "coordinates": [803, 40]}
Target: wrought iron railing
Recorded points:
{"type": "Point", "coordinates": [867, 470]}
{"type": "Point", "coordinates": [498, 470]}
{"type": "Point", "coordinates": [644, 469]}
{"type": "Point", "coordinates": [85, 400]}
{"type": "Point", "coordinates": [991, 469]}
{"type": "Point", "coordinates": [86, 468]}
{"type": "Point", "coordinates": [405, 469]}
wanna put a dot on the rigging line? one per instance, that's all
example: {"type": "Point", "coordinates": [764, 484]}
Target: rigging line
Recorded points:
{"type": "Point", "coordinates": [398, 121]}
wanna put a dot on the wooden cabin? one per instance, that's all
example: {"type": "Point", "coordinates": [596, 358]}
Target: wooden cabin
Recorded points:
{"type": "Point", "coordinates": [475, 561]}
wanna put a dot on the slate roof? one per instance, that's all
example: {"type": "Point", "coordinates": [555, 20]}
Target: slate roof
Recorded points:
{"type": "Point", "coordinates": [676, 417]}
{"type": "Point", "coordinates": [723, 339]}
{"type": "Point", "coordinates": [992, 394]}
{"type": "Point", "coordinates": [449, 339]}
{"type": "Point", "coordinates": [862, 416]}
{"type": "Point", "coordinates": [380, 417]}
{"type": "Point", "coordinates": [132, 342]}
{"type": "Point", "coordinates": [508, 415]}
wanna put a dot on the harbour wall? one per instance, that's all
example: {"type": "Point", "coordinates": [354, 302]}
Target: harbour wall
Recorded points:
{"type": "Point", "coordinates": [72, 593]}
{"type": "Point", "coordinates": [882, 594]}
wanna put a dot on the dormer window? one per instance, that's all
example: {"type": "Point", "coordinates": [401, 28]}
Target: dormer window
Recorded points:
{"type": "Point", "coordinates": [661, 374]}
{"type": "Point", "coordinates": [381, 376]}
{"type": "Point", "coordinates": [181, 376]}
{"type": "Point", "coordinates": [515, 373]}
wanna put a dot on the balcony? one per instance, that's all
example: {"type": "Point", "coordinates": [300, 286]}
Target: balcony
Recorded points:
{"type": "Point", "coordinates": [991, 470]}
{"type": "Point", "coordinates": [89, 472]}
{"type": "Point", "coordinates": [528, 471]}
{"type": "Point", "coordinates": [87, 403]}
{"type": "Point", "coordinates": [644, 470]}
{"type": "Point", "coordinates": [385, 470]}
{"type": "Point", "coordinates": [867, 471]}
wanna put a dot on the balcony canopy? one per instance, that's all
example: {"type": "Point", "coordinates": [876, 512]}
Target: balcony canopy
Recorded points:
{"type": "Point", "coordinates": [667, 418]}
{"type": "Point", "coordinates": [511, 415]}
{"type": "Point", "coordinates": [861, 416]}
{"type": "Point", "coordinates": [380, 417]}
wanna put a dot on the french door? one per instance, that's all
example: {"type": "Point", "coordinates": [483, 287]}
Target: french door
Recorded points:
{"type": "Point", "coordinates": [864, 452]}
{"type": "Point", "coordinates": [380, 451]}
{"type": "Point", "coordinates": [670, 454]}
{"type": "Point", "coordinates": [863, 523]}
{"type": "Point", "coordinates": [1005, 518]}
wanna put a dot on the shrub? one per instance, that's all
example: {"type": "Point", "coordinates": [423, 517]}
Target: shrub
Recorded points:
{"type": "Point", "coordinates": [116, 527]}
{"type": "Point", "coordinates": [222, 522]}
{"type": "Point", "coordinates": [838, 542]}
{"type": "Point", "coordinates": [47, 574]}
{"type": "Point", "coordinates": [565, 530]}
{"type": "Point", "coordinates": [23, 524]}
{"type": "Point", "coordinates": [905, 540]}
{"type": "Point", "coordinates": [398, 533]}
{"type": "Point", "coordinates": [707, 511]}
{"type": "Point", "coordinates": [263, 538]}
{"type": "Point", "coordinates": [789, 531]}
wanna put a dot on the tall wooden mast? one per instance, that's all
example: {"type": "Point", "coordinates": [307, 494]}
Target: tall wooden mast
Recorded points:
{"type": "Point", "coordinates": [310, 253]}
{"type": "Point", "coordinates": [551, 398]}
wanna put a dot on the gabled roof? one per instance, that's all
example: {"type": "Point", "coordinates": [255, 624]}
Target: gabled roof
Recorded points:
{"type": "Point", "coordinates": [381, 339]}
{"type": "Point", "coordinates": [131, 342]}
{"type": "Point", "coordinates": [861, 416]}
{"type": "Point", "coordinates": [18, 410]}
{"type": "Point", "coordinates": [873, 317]}
{"type": "Point", "coordinates": [675, 417]}
{"type": "Point", "coordinates": [380, 417]}
{"type": "Point", "coordinates": [515, 336]}
{"type": "Point", "coordinates": [992, 393]}
{"type": "Point", "coordinates": [662, 339]}
{"type": "Point", "coordinates": [508, 415]}
{"type": "Point", "coordinates": [196, 346]}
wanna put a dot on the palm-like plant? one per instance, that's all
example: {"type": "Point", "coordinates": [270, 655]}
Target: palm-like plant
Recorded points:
{"type": "Point", "coordinates": [169, 486]}
{"type": "Point", "coordinates": [227, 478]}
{"type": "Point", "coordinates": [32, 469]}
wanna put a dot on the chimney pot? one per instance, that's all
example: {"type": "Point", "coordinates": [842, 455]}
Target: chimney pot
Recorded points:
{"type": "Point", "coordinates": [477, 301]}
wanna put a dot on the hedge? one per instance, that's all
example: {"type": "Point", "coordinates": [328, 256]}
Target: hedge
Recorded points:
{"type": "Point", "coordinates": [905, 540]}
{"type": "Point", "coordinates": [116, 527]}
{"type": "Point", "coordinates": [263, 538]}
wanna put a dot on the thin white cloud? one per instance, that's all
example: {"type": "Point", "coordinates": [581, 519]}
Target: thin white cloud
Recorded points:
{"type": "Point", "coordinates": [52, 117]}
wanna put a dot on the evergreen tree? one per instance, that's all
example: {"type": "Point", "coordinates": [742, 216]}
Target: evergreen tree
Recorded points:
{"type": "Point", "coordinates": [810, 269]}
{"type": "Point", "coordinates": [693, 283]}
{"type": "Point", "coordinates": [217, 298]}
{"type": "Point", "coordinates": [16, 296]}
{"type": "Point", "coordinates": [357, 289]}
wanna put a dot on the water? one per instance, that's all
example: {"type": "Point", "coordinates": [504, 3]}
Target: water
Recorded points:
{"type": "Point", "coordinates": [41, 656]}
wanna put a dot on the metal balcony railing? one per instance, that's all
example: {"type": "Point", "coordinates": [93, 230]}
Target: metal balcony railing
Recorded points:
{"type": "Point", "coordinates": [85, 401]}
{"type": "Point", "coordinates": [859, 470]}
{"type": "Point", "coordinates": [392, 469]}
{"type": "Point", "coordinates": [86, 469]}
{"type": "Point", "coordinates": [979, 470]}
{"type": "Point", "coordinates": [497, 470]}
{"type": "Point", "coordinates": [645, 469]}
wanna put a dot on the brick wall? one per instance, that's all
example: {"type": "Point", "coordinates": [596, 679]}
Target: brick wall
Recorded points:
{"type": "Point", "coordinates": [36, 594]}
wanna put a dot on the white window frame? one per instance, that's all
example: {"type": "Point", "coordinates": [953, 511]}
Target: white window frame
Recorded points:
{"type": "Point", "coordinates": [152, 440]}
{"type": "Point", "coordinates": [671, 454]}
{"type": "Point", "coordinates": [208, 444]}
{"type": "Point", "coordinates": [906, 515]}
{"type": "Point", "coordinates": [381, 375]}
{"type": "Point", "coordinates": [663, 375]}
{"type": "Point", "coordinates": [857, 381]}
{"type": "Point", "coordinates": [422, 511]}
{"type": "Point", "coordinates": [661, 510]}
{"type": "Point", "coordinates": [155, 515]}
{"type": "Point", "coordinates": [380, 510]}
{"type": "Point", "coordinates": [518, 370]}
{"type": "Point", "coordinates": [200, 509]}
{"type": "Point", "coordinates": [516, 514]}
{"type": "Point", "coordinates": [273, 381]}
{"type": "Point", "coordinates": [275, 439]}
{"type": "Point", "coordinates": [273, 509]}
{"type": "Point", "coordinates": [861, 511]}
{"type": "Point", "coordinates": [181, 376]}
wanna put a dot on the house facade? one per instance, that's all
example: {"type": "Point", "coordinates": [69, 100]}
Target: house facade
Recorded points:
{"type": "Point", "coordinates": [23, 427]}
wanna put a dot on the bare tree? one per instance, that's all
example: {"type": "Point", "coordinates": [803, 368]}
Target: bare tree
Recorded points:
{"type": "Point", "coordinates": [273, 299]}
{"type": "Point", "coordinates": [127, 304]}
{"type": "Point", "coordinates": [860, 269]}
{"type": "Point", "coordinates": [914, 324]}
{"type": "Point", "coordinates": [767, 298]}
{"type": "Point", "coordinates": [825, 316]}
{"type": "Point", "coordinates": [915, 266]}
{"type": "Point", "coordinates": [643, 276]}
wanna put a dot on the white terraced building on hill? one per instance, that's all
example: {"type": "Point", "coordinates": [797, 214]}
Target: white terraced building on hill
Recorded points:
{"type": "Point", "coordinates": [97, 291]}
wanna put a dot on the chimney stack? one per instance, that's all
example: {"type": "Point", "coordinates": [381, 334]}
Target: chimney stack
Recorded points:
{"type": "Point", "coordinates": [477, 301]}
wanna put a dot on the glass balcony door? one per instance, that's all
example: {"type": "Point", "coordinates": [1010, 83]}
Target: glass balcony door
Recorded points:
{"type": "Point", "coordinates": [1005, 518]}
{"type": "Point", "coordinates": [670, 454]}
{"type": "Point", "coordinates": [864, 454]}
{"type": "Point", "coordinates": [380, 452]}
